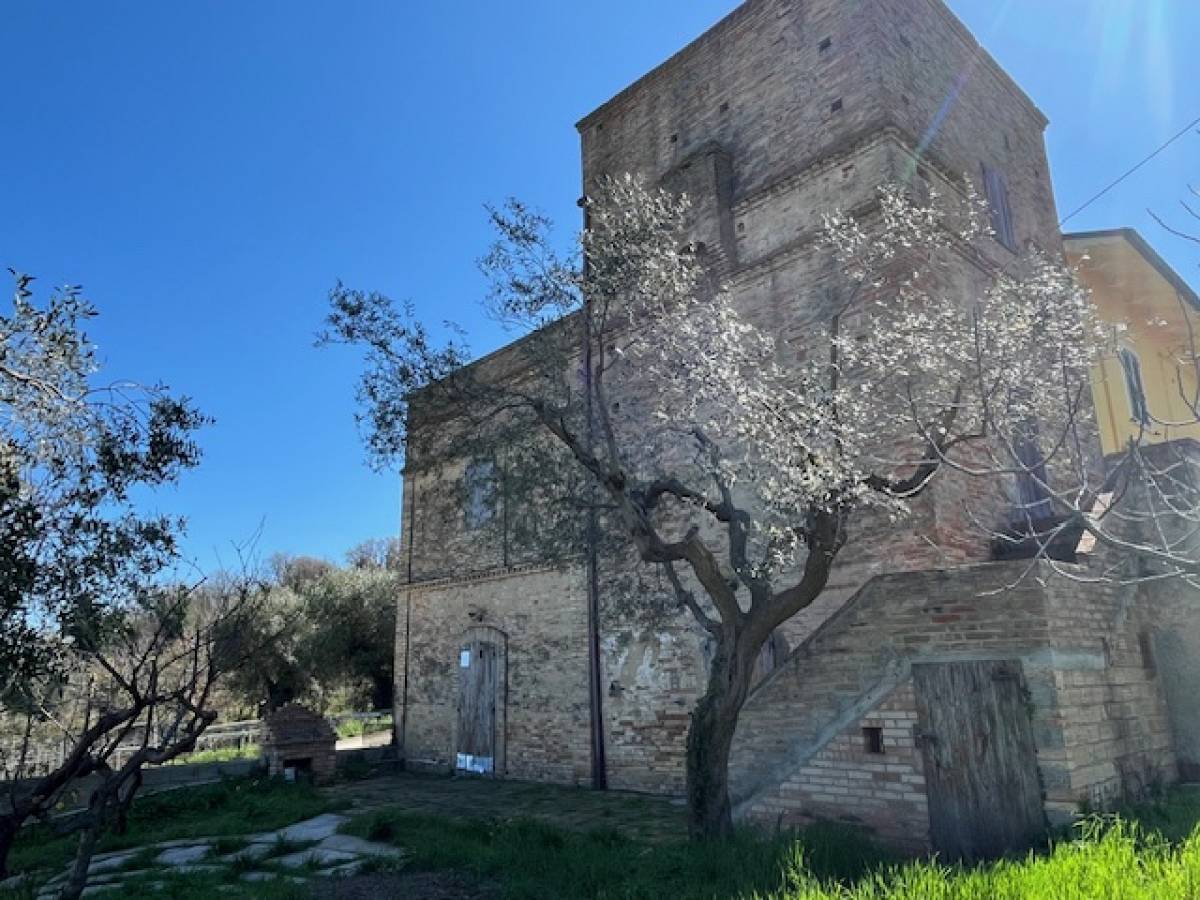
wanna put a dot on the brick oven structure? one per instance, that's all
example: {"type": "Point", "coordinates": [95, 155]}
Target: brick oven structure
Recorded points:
{"type": "Point", "coordinates": [299, 741]}
{"type": "Point", "coordinates": [785, 110]}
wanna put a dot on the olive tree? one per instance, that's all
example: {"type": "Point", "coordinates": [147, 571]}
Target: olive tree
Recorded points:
{"type": "Point", "coordinates": [720, 454]}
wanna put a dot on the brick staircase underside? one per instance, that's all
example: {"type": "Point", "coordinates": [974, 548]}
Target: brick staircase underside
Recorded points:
{"type": "Point", "coordinates": [859, 655]}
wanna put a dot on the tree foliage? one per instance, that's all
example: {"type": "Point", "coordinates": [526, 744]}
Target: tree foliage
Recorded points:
{"type": "Point", "coordinates": [327, 636]}
{"type": "Point", "coordinates": [73, 449]}
{"type": "Point", "coordinates": [731, 457]}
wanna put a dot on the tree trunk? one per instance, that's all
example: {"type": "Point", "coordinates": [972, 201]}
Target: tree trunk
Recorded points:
{"type": "Point", "coordinates": [73, 887]}
{"type": "Point", "coordinates": [710, 740]}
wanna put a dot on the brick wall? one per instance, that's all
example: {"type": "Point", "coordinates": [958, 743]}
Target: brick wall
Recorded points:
{"type": "Point", "coordinates": [539, 620]}
{"type": "Point", "coordinates": [1098, 712]}
{"type": "Point", "coordinates": [845, 781]}
{"type": "Point", "coordinates": [744, 121]}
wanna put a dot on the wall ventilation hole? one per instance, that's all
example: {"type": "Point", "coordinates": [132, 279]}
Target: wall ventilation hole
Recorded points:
{"type": "Point", "coordinates": [825, 44]}
{"type": "Point", "coordinates": [836, 106]}
{"type": "Point", "coordinates": [724, 107]}
{"type": "Point", "coordinates": [873, 740]}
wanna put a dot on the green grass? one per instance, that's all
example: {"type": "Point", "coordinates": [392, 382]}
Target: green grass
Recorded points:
{"type": "Point", "coordinates": [231, 807]}
{"type": "Point", "coordinates": [356, 727]}
{"type": "Point", "coordinates": [1150, 852]}
{"type": "Point", "coordinates": [220, 755]}
{"type": "Point", "coordinates": [1173, 814]}
{"type": "Point", "coordinates": [204, 886]}
{"type": "Point", "coordinates": [1112, 860]}
{"type": "Point", "coordinates": [532, 859]}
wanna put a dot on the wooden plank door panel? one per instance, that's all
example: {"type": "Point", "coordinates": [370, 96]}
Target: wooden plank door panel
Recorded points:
{"type": "Point", "coordinates": [985, 795]}
{"type": "Point", "coordinates": [476, 751]}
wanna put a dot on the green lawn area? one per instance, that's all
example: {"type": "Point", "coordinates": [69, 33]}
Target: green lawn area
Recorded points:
{"type": "Point", "coordinates": [231, 807]}
{"type": "Point", "coordinates": [1150, 853]}
{"type": "Point", "coordinates": [519, 842]}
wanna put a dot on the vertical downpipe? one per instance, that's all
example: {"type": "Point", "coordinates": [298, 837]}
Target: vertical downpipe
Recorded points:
{"type": "Point", "coordinates": [402, 738]}
{"type": "Point", "coordinates": [595, 690]}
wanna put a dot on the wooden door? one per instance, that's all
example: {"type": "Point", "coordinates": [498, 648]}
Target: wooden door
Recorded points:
{"type": "Point", "coordinates": [985, 796]}
{"type": "Point", "coordinates": [476, 751]}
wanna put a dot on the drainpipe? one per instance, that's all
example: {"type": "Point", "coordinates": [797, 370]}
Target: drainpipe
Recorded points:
{"type": "Point", "coordinates": [595, 688]}
{"type": "Point", "coordinates": [402, 742]}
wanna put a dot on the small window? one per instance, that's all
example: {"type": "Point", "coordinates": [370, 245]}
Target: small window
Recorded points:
{"type": "Point", "coordinates": [481, 493]}
{"type": "Point", "coordinates": [1146, 646]}
{"type": "Point", "coordinates": [836, 106]}
{"type": "Point", "coordinates": [873, 740]}
{"type": "Point", "coordinates": [1134, 387]}
{"type": "Point", "coordinates": [825, 44]}
{"type": "Point", "coordinates": [996, 189]}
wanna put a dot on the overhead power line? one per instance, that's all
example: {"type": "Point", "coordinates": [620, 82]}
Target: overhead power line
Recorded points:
{"type": "Point", "coordinates": [1135, 169]}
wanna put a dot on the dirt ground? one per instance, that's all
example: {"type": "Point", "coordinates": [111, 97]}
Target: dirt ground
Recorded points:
{"type": "Point", "coordinates": [644, 818]}
{"type": "Point", "coordinates": [419, 886]}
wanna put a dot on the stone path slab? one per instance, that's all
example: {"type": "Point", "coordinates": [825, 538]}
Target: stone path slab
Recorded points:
{"type": "Point", "coordinates": [316, 857]}
{"type": "Point", "coordinates": [178, 856]}
{"type": "Point", "coordinates": [326, 854]}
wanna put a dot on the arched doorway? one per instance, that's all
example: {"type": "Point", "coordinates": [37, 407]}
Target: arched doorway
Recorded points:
{"type": "Point", "coordinates": [482, 677]}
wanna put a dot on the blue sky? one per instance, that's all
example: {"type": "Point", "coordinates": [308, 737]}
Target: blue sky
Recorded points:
{"type": "Point", "coordinates": [208, 170]}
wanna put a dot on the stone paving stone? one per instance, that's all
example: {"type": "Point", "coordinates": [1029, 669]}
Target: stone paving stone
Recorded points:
{"type": "Point", "coordinates": [177, 856]}
{"type": "Point", "coordinates": [112, 861]}
{"type": "Point", "coordinates": [313, 829]}
{"type": "Point", "coordinates": [344, 870]}
{"type": "Point", "coordinates": [347, 843]}
{"type": "Point", "coordinates": [315, 856]}
{"type": "Point", "coordinates": [253, 852]}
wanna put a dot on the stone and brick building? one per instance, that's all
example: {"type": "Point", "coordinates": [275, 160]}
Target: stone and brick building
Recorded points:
{"type": "Point", "coordinates": [785, 110]}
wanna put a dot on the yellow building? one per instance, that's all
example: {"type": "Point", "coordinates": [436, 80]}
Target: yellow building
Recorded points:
{"type": "Point", "coordinates": [1146, 389]}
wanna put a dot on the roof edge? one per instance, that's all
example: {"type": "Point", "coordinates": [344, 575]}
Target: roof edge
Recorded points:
{"type": "Point", "coordinates": [1134, 238]}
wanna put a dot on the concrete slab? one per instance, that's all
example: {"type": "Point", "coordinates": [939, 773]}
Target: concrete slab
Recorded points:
{"type": "Point", "coordinates": [317, 857]}
{"type": "Point", "coordinates": [111, 861]}
{"type": "Point", "coordinates": [344, 870]}
{"type": "Point", "coordinates": [178, 856]}
{"type": "Point", "coordinates": [347, 843]}
{"type": "Point", "coordinates": [253, 852]}
{"type": "Point", "coordinates": [316, 829]}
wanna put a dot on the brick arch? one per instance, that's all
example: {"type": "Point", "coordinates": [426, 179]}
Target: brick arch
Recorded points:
{"type": "Point", "coordinates": [486, 634]}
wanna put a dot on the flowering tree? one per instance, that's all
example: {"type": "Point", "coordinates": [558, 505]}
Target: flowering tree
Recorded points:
{"type": "Point", "coordinates": [728, 459]}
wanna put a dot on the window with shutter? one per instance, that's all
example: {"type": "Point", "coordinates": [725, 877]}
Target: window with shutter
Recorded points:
{"type": "Point", "coordinates": [1132, 367]}
{"type": "Point", "coordinates": [996, 189]}
{"type": "Point", "coordinates": [480, 493]}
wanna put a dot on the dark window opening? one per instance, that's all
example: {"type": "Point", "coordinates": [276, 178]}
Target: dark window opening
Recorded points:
{"type": "Point", "coordinates": [873, 740]}
{"type": "Point", "coordinates": [1146, 646]}
{"type": "Point", "coordinates": [996, 190]}
{"type": "Point", "coordinates": [1134, 386]}
{"type": "Point", "coordinates": [724, 107]}
{"type": "Point", "coordinates": [836, 106]}
{"type": "Point", "coordinates": [825, 44]}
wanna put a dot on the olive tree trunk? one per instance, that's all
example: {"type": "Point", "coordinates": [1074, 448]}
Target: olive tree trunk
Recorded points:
{"type": "Point", "coordinates": [710, 739]}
